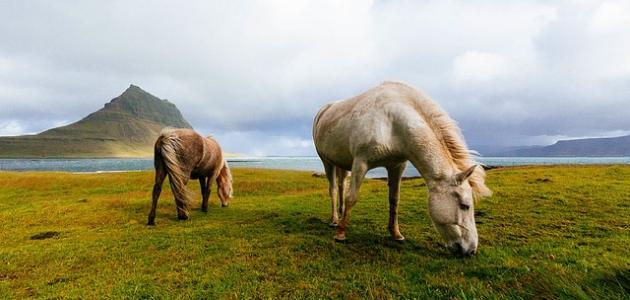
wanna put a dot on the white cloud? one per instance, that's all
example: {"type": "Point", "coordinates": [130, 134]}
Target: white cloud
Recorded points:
{"type": "Point", "coordinates": [11, 128]}
{"type": "Point", "coordinates": [479, 67]}
{"type": "Point", "coordinates": [610, 17]}
{"type": "Point", "coordinates": [259, 143]}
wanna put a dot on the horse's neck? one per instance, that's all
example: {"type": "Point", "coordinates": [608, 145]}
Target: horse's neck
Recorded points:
{"type": "Point", "coordinates": [432, 161]}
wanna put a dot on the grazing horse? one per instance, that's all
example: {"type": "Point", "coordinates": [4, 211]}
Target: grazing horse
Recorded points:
{"type": "Point", "coordinates": [183, 154]}
{"type": "Point", "coordinates": [385, 127]}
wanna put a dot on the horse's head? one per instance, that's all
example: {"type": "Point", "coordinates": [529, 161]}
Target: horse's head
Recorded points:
{"type": "Point", "coordinates": [224, 181]}
{"type": "Point", "coordinates": [451, 208]}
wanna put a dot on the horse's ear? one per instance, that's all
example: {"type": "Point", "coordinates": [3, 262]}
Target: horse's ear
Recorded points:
{"type": "Point", "coordinates": [461, 177]}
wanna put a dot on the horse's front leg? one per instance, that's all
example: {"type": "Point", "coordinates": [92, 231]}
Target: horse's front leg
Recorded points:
{"type": "Point", "coordinates": [341, 186]}
{"type": "Point", "coordinates": [359, 169]}
{"type": "Point", "coordinates": [394, 175]}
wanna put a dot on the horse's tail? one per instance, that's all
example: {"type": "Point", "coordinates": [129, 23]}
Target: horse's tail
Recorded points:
{"type": "Point", "coordinates": [166, 148]}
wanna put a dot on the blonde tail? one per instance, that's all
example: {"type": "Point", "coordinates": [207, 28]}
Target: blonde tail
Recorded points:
{"type": "Point", "coordinates": [169, 148]}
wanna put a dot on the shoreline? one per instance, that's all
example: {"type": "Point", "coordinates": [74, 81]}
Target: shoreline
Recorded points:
{"type": "Point", "coordinates": [302, 163]}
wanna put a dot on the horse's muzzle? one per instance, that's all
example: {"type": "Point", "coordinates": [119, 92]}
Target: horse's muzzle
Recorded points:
{"type": "Point", "coordinates": [458, 250]}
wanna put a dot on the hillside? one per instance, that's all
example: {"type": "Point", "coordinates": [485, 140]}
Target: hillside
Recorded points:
{"type": "Point", "coordinates": [127, 126]}
{"type": "Point", "coordinates": [616, 146]}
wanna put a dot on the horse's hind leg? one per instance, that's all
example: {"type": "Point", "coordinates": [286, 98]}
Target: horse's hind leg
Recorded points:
{"type": "Point", "coordinates": [160, 175]}
{"type": "Point", "coordinates": [341, 185]}
{"type": "Point", "coordinates": [394, 175]}
{"type": "Point", "coordinates": [359, 169]}
{"type": "Point", "coordinates": [205, 192]}
{"type": "Point", "coordinates": [332, 191]}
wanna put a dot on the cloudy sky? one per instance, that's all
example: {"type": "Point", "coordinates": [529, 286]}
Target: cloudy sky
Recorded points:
{"type": "Point", "coordinates": [254, 73]}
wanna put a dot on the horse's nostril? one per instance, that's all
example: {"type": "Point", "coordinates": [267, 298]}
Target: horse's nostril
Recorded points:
{"type": "Point", "coordinates": [472, 252]}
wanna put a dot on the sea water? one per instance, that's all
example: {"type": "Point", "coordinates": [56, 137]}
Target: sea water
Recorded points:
{"type": "Point", "coordinates": [312, 164]}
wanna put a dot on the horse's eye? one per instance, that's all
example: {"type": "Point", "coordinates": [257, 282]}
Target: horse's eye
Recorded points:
{"type": "Point", "coordinates": [464, 206]}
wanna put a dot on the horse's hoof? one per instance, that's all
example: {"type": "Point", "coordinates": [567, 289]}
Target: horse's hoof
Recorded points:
{"type": "Point", "coordinates": [182, 218]}
{"type": "Point", "coordinates": [340, 237]}
{"type": "Point", "coordinates": [151, 223]}
{"type": "Point", "coordinates": [400, 240]}
{"type": "Point", "coordinates": [339, 240]}
{"type": "Point", "coordinates": [333, 224]}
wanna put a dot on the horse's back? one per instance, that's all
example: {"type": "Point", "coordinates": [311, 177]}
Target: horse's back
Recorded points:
{"type": "Point", "coordinates": [389, 99]}
{"type": "Point", "coordinates": [187, 144]}
{"type": "Point", "coordinates": [373, 124]}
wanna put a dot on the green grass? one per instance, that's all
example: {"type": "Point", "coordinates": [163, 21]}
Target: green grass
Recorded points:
{"type": "Point", "coordinates": [548, 232]}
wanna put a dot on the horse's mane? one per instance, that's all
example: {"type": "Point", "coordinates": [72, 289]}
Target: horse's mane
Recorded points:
{"type": "Point", "coordinates": [451, 139]}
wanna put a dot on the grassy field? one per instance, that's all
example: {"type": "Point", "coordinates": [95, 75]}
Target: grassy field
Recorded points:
{"type": "Point", "coordinates": [548, 232]}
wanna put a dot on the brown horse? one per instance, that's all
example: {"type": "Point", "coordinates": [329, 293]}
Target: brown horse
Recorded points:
{"type": "Point", "coordinates": [183, 154]}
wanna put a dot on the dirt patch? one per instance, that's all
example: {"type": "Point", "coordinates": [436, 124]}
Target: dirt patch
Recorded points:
{"type": "Point", "coordinates": [58, 280]}
{"type": "Point", "coordinates": [45, 235]}
{"type": "Point", "coordinates": [7, 277]}
{"type": "Point", "coordinates": [271, 215]}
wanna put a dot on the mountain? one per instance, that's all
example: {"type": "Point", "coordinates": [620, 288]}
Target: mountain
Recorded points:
{"type": "Point", "coordinates": [615, 146]}
{"type": "Point", "coordinates": [127, 126]}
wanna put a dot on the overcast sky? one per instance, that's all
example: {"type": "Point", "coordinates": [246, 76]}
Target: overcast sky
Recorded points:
{"type": "Point", "coordinates": [254, 73]}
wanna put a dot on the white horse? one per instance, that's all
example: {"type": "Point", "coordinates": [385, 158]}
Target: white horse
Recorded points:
{"type": "Point", "coordinates": [385, 127]}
